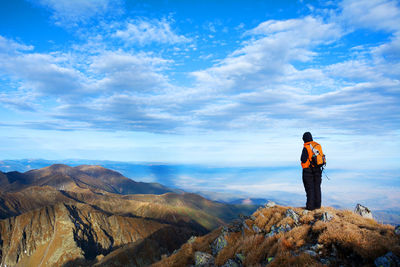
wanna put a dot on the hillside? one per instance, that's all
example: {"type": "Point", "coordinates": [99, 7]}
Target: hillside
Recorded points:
{"type": "Point", "coordinates": [64, 177]}
{"type": "Point", "coordinates": [284, 236]}
{"type": "Point", "coordinates": [45, 224]}
{"type": "Point", "coordinates": [78, 234]}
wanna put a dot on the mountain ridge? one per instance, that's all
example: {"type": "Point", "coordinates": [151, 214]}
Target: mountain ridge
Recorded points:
{"type": "Point", "coordinates": [59, 200]}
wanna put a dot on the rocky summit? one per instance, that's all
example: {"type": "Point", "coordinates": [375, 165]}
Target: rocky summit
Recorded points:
{"type": "Point", "coordinates": [284, 236]}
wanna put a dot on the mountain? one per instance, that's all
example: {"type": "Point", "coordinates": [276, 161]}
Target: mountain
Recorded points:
{"type": "Point", "coordinates": [65, 177]}
{"type": "Point", "coordinates": [76, 216]}
{"type": "Point", "coordinates": [285, 236]}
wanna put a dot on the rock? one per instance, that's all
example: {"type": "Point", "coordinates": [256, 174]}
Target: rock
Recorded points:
{"type": "Point", "coordinates": [252, 217]}
{"type": "Point", "coordinates": [292, 214]}
{"type": "Point", "coordinates": [316, 247]}
{"type": "Point", "coordinates": [231, 263]}
{"type": "Point", "coordinates": [192, 239]}
{"type": "Point", "coordinates": [363, 211]}
{"type": "Point", "coordinates": [311, 253]}
{"type": "Point", "coordinates": [218, 244]}
{"type": "Point", "coordinates": [270, 204]}
{"type": "Point", "coordinates": [246, 226]}
{"type": "Point", "coordinates": [203, 259]}
{"type": "Point", "coordinates": [240, 258]}
{"type": "Point", "coordinates": [305, 212]}
{"type": "Point", "coordinates": [397, 230]}
{"type": "Point", "coordinates": [256, 229]}
{"type": "Point", "coordinates": [388, 260]}
{"type": "Point", "coordinates": [326, 217]}
{"type": "Point", "coordinates": [235, 226]}
{"type": "Point", "coordinates": [276, 230]}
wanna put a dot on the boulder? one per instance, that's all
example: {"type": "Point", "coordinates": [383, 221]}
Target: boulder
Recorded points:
{"type": "Point", "coordinates": [203, 259]}
{"type": "Point", "coordinates": [388, 260]}
{"type": "Point", "coordinates": [218, 244]}
{"type": "Point", "coordinates": [292, 214]}
{"type": "Point", "coordinates": [326, 217]}
{"type": "Point", "coordinates": [363, 211]}
{"type": "Point", "coordinates": [270, 204]}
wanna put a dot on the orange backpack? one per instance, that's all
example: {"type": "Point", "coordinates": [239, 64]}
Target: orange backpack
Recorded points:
{"type": "Point", "coordinates": [316, 157]}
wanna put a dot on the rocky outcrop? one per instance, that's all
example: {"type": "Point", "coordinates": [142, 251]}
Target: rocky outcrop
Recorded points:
{"type": "Point", "coordinates": [203, 259]}
{"type": "Point", "coordinates": [363, 211]}
{"type": "Point", "coordinates": [284, 236]}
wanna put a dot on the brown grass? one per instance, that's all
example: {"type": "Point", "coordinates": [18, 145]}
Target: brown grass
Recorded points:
{"type": "Point", "coordinates": [351, 234]}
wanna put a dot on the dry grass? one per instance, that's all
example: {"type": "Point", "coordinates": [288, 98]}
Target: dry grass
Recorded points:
{"type": "Point", "coordinates": [354, 238]}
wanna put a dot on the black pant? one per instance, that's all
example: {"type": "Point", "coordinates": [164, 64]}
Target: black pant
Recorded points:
{"type": "Point", "coordinates": [312, 185]}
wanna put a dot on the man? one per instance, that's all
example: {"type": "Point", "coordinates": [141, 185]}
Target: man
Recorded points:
{"type": "Point", "coordinates": [311, 172]}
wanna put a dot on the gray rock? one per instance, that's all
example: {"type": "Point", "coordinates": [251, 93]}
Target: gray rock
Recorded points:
{"type": "Point", "coordinates": [235, 226]}
{"type": "Point", "coordinates": [231, 263]}
{"type": "Point", "coordinates": [203, 259]}
{"type": "Point", "coordinates": [311, 253]}
{"type": "Point", "coordinates": [388, 260]}
{"type": "Point", "coordinates": [397, 230]}
{"type": "Point", "coordinates": [326, 217]}
{"type": "Point", "coordinates": [256, 229]}
{"type": "Point", "coordinates": [246, 226]}
{"type": "Point", "coordinates": [270, 204]}
{"type": "Point", "coordinates": [276, 230]}
{"type": "Point", "coordinates": [218, 244]}
{"type": "Point", "coordinates": [292, 214]}
{"type": "Point", "coordinates": [316, 247]}
{"type": "Point", "coordinates": [363, 211]}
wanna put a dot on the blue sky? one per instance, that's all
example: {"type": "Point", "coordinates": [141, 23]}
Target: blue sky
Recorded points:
{"type": "Point", "coordinates": [211, 82]}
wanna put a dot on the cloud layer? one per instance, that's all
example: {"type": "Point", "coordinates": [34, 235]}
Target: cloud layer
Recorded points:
{"type": "Point", "coordinates": [282, 74]}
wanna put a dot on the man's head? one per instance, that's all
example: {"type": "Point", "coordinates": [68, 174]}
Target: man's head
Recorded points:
{"type": "Point", "coordinates": [307, 137]}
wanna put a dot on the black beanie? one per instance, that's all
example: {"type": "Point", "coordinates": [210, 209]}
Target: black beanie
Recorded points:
{"type": "Point", "coordinates": [307, 137]}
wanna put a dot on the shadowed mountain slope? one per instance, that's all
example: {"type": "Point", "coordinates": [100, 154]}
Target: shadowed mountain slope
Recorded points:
{"type": "Point", "coordinates": [56, 235]}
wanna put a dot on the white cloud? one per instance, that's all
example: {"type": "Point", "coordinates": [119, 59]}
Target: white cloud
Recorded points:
{"type": "Point", "coordinates": [145, 32]}
{"type": "Point", "coordinates": [125, 72]}
{"type": "Point", "coordinates": [371, 14]}
{"type": "Point", "coordinates": [70, 12]}
{"type": "Point", "coordinates": [268, 56]}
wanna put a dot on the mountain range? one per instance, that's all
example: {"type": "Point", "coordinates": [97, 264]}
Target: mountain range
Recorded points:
{"type": "Point", "coordinates": [68, 216]}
